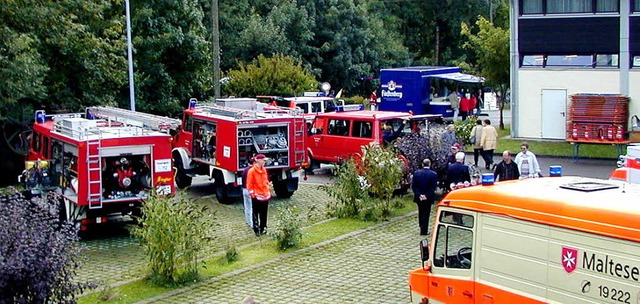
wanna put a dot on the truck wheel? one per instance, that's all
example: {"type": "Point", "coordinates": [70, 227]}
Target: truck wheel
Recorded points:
{"type": "Point", "coordinates": [182, 179]}
{"type": "Point", "coordinates": [281, 189]}
{"type": "Point", "coordinates": [222, 195]}
{"type": "Point", "coordinates": [313, 164]}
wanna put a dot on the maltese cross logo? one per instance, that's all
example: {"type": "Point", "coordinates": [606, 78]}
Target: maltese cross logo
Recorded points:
{"type": "Point", "coordinates": [569, 259]}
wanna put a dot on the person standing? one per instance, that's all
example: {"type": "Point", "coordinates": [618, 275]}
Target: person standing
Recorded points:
{"type": "Point", "coordinates": [489, 142]}
{"type": "Point", "coordinates": [259, 186]}
{"type": "Point", "coordinates": [527, 162]}
{"type": "Point", "coordinates": [466, 105]}
{"type": "Point", "coordinates": [476, 135]}
{"type": "Point", "coordinates": [424, 185]}
{"type": "Point", "coordinates": [506, 169]}
{"type": "Point", "coordinates": [455, 104]}
{"type": "Point", "coordinates": [458, 172]}
{"type": "Point", "coordinates": [246, 197]}
{"type": "Point", "coordinates": [449, 136]}
{"type": "Point", "coordinates": [480, 102]}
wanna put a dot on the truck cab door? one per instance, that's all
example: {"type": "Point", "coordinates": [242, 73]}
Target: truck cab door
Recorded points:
{"type": "Point", "coordinates": [453, 258]}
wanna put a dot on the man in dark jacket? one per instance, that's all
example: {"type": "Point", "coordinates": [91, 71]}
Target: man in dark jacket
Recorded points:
{"type": "Point", "coordinates": [458, 172]}
{"type": "Point", "coordinates": [506, 169]}
{"type": "Point", "coordinates": [388, 134]}
{"type": "Point", "coordinates": [424, 186]}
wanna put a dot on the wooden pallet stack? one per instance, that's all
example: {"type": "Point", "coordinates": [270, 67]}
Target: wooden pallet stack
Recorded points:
{"type": "Point", "coordinates": [598, 118]}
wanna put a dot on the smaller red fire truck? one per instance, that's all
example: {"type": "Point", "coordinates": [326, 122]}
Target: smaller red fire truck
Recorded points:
{"type": "Point", "coordinates": [218, 141]}
{"type": "Point", "coordinates": [104, 162]}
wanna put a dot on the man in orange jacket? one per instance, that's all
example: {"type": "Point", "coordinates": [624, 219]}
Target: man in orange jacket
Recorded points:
{"type": "Point", "coordinates": [259, 186]}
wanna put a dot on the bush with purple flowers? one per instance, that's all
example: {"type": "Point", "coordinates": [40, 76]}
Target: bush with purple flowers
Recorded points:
{"type": "Point", "coordinates": [38, 252]}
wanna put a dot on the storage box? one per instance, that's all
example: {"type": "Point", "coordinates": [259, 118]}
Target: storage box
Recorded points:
{"type": "Point", "coordinates": [634, 137]}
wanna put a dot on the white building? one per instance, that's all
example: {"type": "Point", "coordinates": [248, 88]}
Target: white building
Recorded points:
{"type": "Point", "coordinates": [563, 47]}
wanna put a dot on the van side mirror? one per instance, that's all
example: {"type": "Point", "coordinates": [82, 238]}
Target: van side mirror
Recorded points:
{"type": "Point", "coordinates": [424, 252]}
{"type": "Point", "coordinates": [313, 131]}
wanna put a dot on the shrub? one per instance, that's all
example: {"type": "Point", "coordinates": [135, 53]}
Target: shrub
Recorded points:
{"type": "Point", "coordinates": [349, 191]}
{"type": "Point", "coordinates": [173, 235]}
{"type": "Point", "coordinates": [288, 232]}
{"type": "Point", "coordinates": [463, 130]}
{"type": "Point", "coordinates": [383, 171]}
{"type": "Point", "coordinates": [39, 253]}
{"type": "Point", "coordinates": [230, 255]}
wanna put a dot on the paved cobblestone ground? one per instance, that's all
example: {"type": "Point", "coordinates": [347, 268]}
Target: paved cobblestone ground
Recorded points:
{"type": "Point", "coordinates": [370, 267]}
{"type": "Point", "coordinates": [119, 258]}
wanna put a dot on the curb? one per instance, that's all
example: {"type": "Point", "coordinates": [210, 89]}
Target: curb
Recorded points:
{"type": "Point", "coordinates": [275, 260]}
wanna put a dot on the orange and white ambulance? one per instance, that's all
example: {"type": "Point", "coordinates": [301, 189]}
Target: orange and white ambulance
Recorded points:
{"type": "Point", "coordinates": [543, 240]}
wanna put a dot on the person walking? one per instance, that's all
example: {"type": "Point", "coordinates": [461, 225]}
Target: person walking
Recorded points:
{"type": "Point", "coordinates": [424, 186]}
{"type": "Point", "coordinates": [476, 135]}
{"type": "Point", "coordinates": [527, 162]}
{"type": "Point", "coordinates": [488, 141]}
{"type": "Point", "coordinates": [259, 186]}
{"type": "Point", "coordinates": [246, 197]}
{"type": "Point", "coordinates": [506, 169]}
{"type": "Point", "coordinates": [480, 102]}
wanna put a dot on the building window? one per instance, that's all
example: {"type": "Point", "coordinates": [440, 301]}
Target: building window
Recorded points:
{"type": "Point", "coordinates": [532, 7]}
{"type": "Point", "coordinates": [636, 6]}
{"type": "Point", "coordinates": [533, 60]}
{"type": "Point", "coordinates": [606, 60]}
{"type": "Point", "coordinates": [569, 6]}
{"type": "Point", "coordinates": [569, 60]}
{"type": "Point", "coordinates": [592, 61]}
{"type": "Point", "coordinates": [607, 6]}
{"type": "Point", "coordinates": [538, 7]}
{"type": "Point", "coordinates": [636, 62]}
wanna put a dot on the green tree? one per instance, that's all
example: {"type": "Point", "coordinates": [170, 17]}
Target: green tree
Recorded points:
{"type": "Point", "coordinates": [279, 75]}
{"type": "Point", "coordinates": [61, 54]}
{"type": "Point", "coordinates": [491, 46]}
{"type": "Point", "coordinates": [351, 43]}
{"type": "Point", "coordinates": [172, 54]}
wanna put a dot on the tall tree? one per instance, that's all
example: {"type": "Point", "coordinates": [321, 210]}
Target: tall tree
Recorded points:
{"type": "Point", "coordinates": [61, 54]}
{"type": "Point", "coordinates": [491, 46]}
{"type": "Point", "coordinates": [171, 53]}
{"type": "Point", "coordinates": [278, 75]}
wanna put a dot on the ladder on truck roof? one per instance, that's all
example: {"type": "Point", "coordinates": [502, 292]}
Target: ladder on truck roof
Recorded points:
{"type": "Point", "coordinates": [226, 111]}
{"type": "Point", "coordinates": [144, 120]}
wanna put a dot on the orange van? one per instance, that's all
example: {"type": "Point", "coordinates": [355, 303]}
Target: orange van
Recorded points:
{"type": "Point", "coordinates": [544, 240]}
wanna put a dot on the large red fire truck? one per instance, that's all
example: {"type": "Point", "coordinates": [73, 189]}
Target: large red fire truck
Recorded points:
{"type": "Point", "coordinates": [218, 141]}
{"type": "Point", "coordinates": [104, 162]}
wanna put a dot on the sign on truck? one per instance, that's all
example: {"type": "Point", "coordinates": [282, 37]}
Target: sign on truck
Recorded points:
{"type": "Point", "coordinates": [544, 240]}
{"type": "Point", "coordinates": [421, 89]}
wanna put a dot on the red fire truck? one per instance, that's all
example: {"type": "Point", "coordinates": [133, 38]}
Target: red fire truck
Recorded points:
{"type": "Point", "coordinates": [104, 162]}
{"type": "Point", "coordinates": [218, 141]}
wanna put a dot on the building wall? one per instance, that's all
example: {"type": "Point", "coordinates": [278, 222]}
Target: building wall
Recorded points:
{"type": "Point", "coordinates": [634, 92]}
{"type": "Point", "coordinates": [531, 82]}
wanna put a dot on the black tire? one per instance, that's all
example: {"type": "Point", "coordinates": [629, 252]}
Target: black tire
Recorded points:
{"type": "Point", "coordinates": [182, 179]}
{"type": "Point", "coordinates": [281, 190]}
{"type": "Point", "coordinates": [222, 194]}
{"type": "Point", "coordinates": [313, 164]}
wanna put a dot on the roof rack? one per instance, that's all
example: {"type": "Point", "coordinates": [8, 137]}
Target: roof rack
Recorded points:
{"type": "Point", "coordinates": [144, 120]}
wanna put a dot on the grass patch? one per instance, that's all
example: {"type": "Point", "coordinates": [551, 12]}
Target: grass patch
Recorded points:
{"type": "Point", "coordinates": [265, 250]}
{"type": "Point", "coordinates": [554, 148]}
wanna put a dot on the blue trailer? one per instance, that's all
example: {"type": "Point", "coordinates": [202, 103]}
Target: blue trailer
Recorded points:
{"type": "Point", "coordinates": [421, 89]}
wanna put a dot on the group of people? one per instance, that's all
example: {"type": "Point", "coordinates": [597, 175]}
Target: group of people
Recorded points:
{"type": "Point", "coordinates": [425, 181]}
{"type": "Point", "coordinates": [464, 104]}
